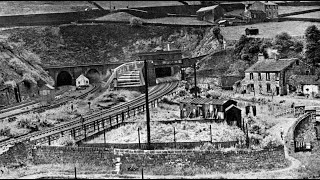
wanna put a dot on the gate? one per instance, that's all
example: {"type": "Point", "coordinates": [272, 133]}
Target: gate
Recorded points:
{"type": "Point", "coordinates": [302, 146]}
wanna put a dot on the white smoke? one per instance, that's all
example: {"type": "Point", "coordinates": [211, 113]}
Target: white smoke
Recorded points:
{"type": "Point", "coordinates": [272, 53]}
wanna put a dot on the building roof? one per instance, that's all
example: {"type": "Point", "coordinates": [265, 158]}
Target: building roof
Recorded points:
{"type": "Point", "coordinates": [82, 77]}
{"type": "Point", "coordinates": [268, 3]}
{"type": "Point", "coordinates": [304, 79]}
{"type": "Point", "coordinates": [203, 101]}
{"type": "Point", "coordinates": [256, 11]}
{"type": "Point", "coordinates": [47, 86]}
{"type": "Point", "coordinates": [271, 65]}
{"type": "Point", "coordinates": [209, 8]}
{"type": "Point", "coordinates": [231, 106]}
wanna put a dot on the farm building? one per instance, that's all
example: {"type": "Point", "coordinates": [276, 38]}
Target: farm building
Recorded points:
{"type": "Point", "coordinates": [82, 81]}
{"type": "Point", "coordinates": [270, 76]}
{"type": "Point", "coordinates": [270, 8]}
{"type": "Point", "coordinates": [255, 15]}
{"type": "Point", "coordinates": [46, 90]}
{"type": "Point", "coordinates": [215, 109]}
{"type": "Point", "coordinates": [227, 81]}
{"type": "Point", "coordinates": [210, 13]}
{"type": "Point", "coordinates": [307, 84]}
{"type": "Point", "coordinates": [252, 31]}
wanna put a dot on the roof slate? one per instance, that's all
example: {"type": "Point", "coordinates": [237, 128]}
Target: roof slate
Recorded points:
{"type": "Point", "coordinates": [304, 79]}
{"type": "Point", "coordinates": [270, 65]}
{"type": "Point", "coordinates": [203, 101]}
{"type": "Point", "coordinates": [209, 8]}
{"type": "Point", "coordinates": [268, 3]}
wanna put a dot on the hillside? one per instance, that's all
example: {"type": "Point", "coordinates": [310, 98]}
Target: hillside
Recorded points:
{"type": "Point", "coordinates": [101, 43]}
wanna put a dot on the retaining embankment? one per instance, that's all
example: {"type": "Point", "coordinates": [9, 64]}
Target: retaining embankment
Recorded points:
{"type": "Point", "coordinates": [215, 160]}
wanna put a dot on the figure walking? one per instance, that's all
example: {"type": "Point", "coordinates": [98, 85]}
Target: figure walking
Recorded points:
{"type": "Point", "coordinates": [281, 132]}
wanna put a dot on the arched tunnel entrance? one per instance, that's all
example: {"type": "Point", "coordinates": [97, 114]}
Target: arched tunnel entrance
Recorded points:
{"type": "Point", "coordinates": [64, 78]}
{"type": "Point", "coordinates": [93, 75]}
{"type": "Point", "coordinates": [163, 72]}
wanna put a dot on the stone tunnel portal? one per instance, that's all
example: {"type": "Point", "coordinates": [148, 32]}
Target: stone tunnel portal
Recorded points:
{"type": "Point", "coordinates": [93, 75]}
{"type": "Point", "coordinates": [163, 72]}
{"type": "Point", "coordinates": [64, 78]}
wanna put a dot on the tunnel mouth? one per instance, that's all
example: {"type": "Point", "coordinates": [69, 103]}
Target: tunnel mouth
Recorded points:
{"type": "Point", "coordinates": [93, 75]}
{"type": "Point", "coordinates": [163, 72]}
{"type": "Point", "coordinates": [64, 78]}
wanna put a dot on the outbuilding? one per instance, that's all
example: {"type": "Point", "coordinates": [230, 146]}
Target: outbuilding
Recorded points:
{"type": "Point", "coordinates": [45, 90]}
{"type": "Point", "coordinates": [210, 13]}
{"type": "Point", "coordinates": [82, 81]}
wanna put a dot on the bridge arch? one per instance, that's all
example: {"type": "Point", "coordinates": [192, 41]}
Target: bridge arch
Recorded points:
{"type": "Point", "coordinates": [64, 78]}
{"type": "Point", "coordinates": [93, 75]}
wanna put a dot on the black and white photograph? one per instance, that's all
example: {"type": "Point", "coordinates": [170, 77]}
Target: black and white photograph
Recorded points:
{"type": "Point", "coordinates": [159, 89]}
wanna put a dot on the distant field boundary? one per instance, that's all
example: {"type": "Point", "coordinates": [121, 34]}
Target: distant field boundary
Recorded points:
{"type": "Point", "coordinates": [299, 12]}
{"type": "Point", "coordinates": [299, 19]}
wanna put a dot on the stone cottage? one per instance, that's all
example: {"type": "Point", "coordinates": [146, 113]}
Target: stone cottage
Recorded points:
{"type": "Point", "coordinates": [270, 76]}
{"type": "Point", "coordinates": [268, 7]}
{"type": "Point", "coordinates": [210, 13]}
{"type": "Point", "coordinates": [307, 84]}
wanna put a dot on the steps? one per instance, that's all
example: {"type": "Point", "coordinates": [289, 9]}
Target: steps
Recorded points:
{"type": "Point", "coordinates": [129, 78]}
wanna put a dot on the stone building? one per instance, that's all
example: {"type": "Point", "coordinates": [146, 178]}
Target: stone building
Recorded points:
{"type": "Point", "coordinates": [270, 76]}
{"type": "Point", "coordinates": [210, 13]}
{"type": "Point", "coordinates": [307, 84]}
{"type": "Point", "coordinates": [270, 8]}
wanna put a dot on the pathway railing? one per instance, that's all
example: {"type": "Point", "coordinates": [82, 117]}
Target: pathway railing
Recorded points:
{"type": "Point", "coordinates": [123, 68]}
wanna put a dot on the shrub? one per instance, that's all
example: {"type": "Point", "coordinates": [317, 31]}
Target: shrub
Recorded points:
{"type": "Point", "coordinates": [136, 22]}
{"type": "Point", "coordinates": [270, 142]}
{"type": "Point", "coordinates": [66, 141]}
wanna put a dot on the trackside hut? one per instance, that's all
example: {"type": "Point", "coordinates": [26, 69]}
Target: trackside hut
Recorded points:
{"type": "Point", "coordinates": [210, 13]}
{"type": "Point", "coordinates": [204, 108]}
{"type": "Point", "coordinates": [82, 81]}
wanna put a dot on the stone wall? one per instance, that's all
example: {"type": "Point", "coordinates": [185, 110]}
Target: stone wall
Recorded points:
{"type": "Point", "coordinates": [19, 153]}
{"type": "Point", "coordinates": [215, 160]}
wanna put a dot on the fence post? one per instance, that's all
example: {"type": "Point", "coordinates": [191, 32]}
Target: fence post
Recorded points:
{"type": "Point", "coordinates": [139, 137]}
{"type": "Point", "coordinates": [75, 172]}
{"type": "Point", "coordinates": [128, 112]}
{"type": "Point", "coordinates": [94, 126]}
{"type": "Point", "coordinates": [74, 133]}
{"type": "Point", "coordinates": [210, 134]}
{"type": "Point", "coordinates": [174, 137]}
{"type": "Point", "coordinates": [98, 126]}
{"type": "Point", "coordinates": [117, 119]}
{"type": "Point", "coordinates": [110, 121]}
{"type": "Point", "coordinates": [247, 137]}
{"type": "Point", "coordinates": [134, 112]}
{"type": "Point", "coordinates": [122, 114]}
{"type": "Point", "coordinates": [49, 141]}
{"type": "Point", "coordinates": [85, 132]}
{"type": "Point", "coordinates": [104, 136]}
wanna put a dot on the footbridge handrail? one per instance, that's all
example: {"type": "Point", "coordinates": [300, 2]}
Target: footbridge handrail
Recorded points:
{"type": "Point", "coordinates": [123, 68]}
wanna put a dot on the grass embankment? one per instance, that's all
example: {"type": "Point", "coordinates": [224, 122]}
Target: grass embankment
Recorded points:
{"type": "Point", "coordinates": [27, 123]}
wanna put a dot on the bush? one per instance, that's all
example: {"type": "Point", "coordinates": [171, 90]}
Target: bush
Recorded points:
{"type": "Point", "coordinates": [66, 141]}
{"type": "Point", "coordinates": [136, 22]}
{"type": "Point", "coordinates": [270, 142]}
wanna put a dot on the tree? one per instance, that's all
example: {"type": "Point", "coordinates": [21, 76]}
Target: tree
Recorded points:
{"type": "Point", "coordinates": [313, 45]}
{"type": "Point", "coordinates": [283, 42]}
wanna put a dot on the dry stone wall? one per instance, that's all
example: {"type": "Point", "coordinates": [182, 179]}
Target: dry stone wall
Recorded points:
{"type": "Point", "coordinates": [215, 160]}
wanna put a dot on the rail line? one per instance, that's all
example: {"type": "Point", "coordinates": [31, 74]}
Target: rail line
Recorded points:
{"type": "Point", "coordinates": [56, 104]}
{"type": "Point", "coordinates": [77, 127]}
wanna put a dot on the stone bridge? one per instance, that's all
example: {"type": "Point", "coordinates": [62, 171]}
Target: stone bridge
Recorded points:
{"type": "Point", "coordinates": [67, 75]}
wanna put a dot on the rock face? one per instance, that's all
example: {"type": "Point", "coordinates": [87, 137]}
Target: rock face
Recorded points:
{"type": "Point", "coordinates": [19, 69]}
{"type": "Point", "coordinates": [100, 43]}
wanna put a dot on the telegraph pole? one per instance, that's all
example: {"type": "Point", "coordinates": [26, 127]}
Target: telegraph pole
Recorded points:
{"type": "Point", "coordinates": [147, 103]}
{"type": "Point", "coordinates": [195, 79]}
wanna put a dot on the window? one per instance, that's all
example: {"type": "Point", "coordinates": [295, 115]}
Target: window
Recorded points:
{"type": "Point", "coordinates": [307, 72]}
{"type": "Point", "coordinates": [297, 62]}
{"type": "Point", "coordinates": [277, 76]}
{"type": "Point", "coordinates": [251, 76]}
{"type": "Point", "coordinates": [259, 76]}
{"type": "Point", "coordinates": [268, 76]}
{"type": "Point", "coordinates": [268, 88]}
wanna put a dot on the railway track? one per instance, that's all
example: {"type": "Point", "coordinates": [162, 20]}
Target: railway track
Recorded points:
{"type": "Point", "coordinates": [56, 104]}
{"type": "Point", "coordinates": [75, 127]}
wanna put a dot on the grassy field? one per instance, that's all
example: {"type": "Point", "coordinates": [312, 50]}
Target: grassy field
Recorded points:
{"type": "Point", "coordinates": [290, 9]}
{"type": "Point", "coordinates": [269, 29]}
{"type": "Point", "coordinates": [307, 15]}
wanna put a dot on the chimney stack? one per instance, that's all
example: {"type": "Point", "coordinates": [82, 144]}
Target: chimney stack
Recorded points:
{"type": "Point", "coordinates": [260, 57]}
